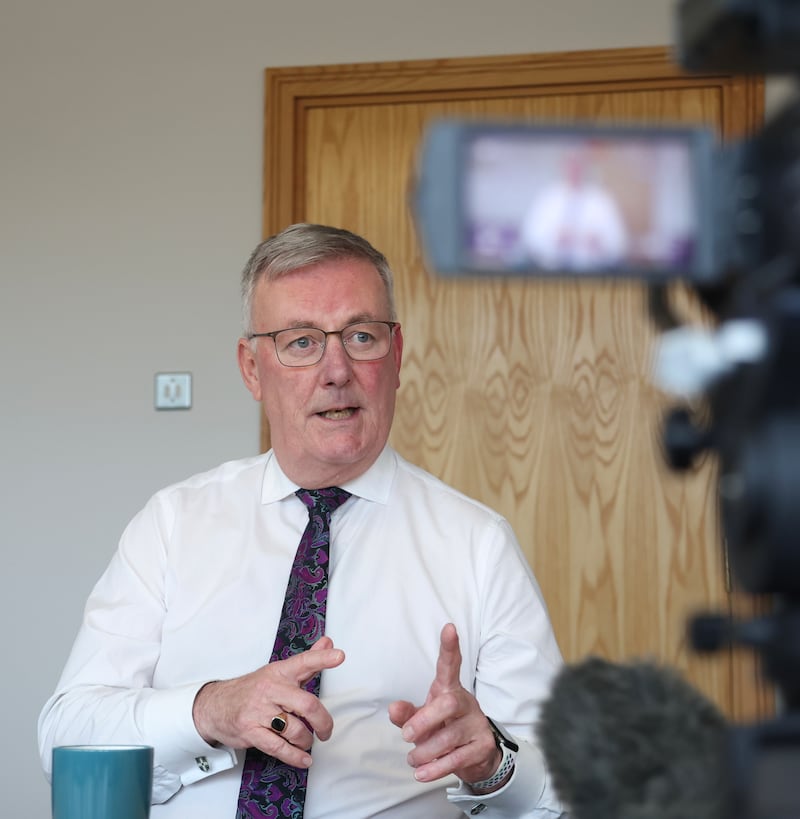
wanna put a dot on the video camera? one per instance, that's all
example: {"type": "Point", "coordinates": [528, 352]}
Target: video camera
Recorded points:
{"type": "Point", "coordinates": [669, 205]}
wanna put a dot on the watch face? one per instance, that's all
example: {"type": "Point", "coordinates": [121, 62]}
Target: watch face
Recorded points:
{"type": "Point", "coordinates": [502, 738]}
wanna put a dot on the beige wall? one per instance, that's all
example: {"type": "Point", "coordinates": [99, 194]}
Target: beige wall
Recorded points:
{"type": "Point", "coordinates": [130, 165]}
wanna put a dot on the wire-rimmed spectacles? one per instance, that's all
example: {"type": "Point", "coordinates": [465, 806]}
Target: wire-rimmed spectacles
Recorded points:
{"type": "Point", "coordinates": [304, 346]}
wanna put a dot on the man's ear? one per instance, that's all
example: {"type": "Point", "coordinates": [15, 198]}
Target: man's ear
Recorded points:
{"type": "Point", "coordinates": [249, 367]}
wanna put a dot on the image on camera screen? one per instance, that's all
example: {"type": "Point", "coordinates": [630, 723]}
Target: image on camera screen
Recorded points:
{"type": "Point", "coordinates": [580, 203]}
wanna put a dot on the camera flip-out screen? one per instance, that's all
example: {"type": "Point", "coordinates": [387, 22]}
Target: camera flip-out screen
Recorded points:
{"type": "Point", "coordinates": [541, 200]}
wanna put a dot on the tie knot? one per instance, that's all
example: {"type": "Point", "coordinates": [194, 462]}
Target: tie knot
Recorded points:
{"type": "Point", "coordinates": [326, 500]}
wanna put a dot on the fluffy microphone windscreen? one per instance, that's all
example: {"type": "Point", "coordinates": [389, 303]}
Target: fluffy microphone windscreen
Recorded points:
{"type": "Point", "coordinates": [634, 741]}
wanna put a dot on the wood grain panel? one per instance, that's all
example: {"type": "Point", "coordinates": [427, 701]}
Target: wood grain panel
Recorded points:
{"type": "Point", "coordinates": [534, 397]}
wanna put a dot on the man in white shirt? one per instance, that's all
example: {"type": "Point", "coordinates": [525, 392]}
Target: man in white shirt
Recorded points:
{"type": "Point", "coordinates": [438, 647]}
{"type": "Point", "coordinates": [574, 223]}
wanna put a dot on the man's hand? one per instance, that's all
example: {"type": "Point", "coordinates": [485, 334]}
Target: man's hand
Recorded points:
{"type": "Point", "coordinates": [450, 733]}
{"type": "Point", "coordinates": [238, 712]}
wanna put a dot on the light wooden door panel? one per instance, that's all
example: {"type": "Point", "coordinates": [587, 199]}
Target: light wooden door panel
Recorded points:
{"type": "Point", "coordinates": [535, 397]}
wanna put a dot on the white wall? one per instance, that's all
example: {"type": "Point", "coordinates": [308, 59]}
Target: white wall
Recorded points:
{"type": "Point", "coordinates": [130, 197]}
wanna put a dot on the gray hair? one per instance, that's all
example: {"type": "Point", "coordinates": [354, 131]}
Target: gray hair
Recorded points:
{"type": "Point", "coordinates": [302, 245]}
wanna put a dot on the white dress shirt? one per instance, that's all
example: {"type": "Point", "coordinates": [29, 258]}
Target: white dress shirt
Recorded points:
{"type": "Point", "coordinates": [575, 228]}
{"type": "Point", "coordinates": [194, 594]}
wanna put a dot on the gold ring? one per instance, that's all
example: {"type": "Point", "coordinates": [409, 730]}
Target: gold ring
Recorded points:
{"type": "Point", "coordinates": [279, 722]}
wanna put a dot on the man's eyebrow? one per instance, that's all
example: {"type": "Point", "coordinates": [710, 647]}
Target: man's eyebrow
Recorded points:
{"type": "Point", "coordinates": [354, 319]}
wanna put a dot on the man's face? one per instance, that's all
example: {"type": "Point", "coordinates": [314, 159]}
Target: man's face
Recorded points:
{"type": "Point", "coordinates": [328, 421]}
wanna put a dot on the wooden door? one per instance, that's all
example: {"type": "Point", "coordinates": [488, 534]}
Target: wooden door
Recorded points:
{"type": "Point", "coordinates": [533, 397]}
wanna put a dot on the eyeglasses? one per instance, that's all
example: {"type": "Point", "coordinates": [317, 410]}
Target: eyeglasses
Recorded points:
{"type": "Point", "coordinates": [304, 346]}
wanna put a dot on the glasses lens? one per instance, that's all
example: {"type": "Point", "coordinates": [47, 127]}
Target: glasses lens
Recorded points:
{"type": "Point", "coordinates": [300, 346]}
{"type": "Point", "coordinates": [303, 346]}
{"type": "Point", "coordinates": [367, 341]}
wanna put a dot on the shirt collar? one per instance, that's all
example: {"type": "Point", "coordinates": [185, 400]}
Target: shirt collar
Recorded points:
{"type": "Point", "coordinates": [374, 484]}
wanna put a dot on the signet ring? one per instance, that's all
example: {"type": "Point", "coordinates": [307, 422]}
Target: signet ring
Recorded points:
{"type": "Point", "coordinates": [279, 722]}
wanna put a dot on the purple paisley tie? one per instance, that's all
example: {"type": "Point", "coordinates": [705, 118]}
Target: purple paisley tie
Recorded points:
{"type": "Point", "coordinates": [271, 788]}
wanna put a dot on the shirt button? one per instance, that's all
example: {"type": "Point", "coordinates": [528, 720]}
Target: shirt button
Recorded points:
{"type": "Point", "coordinates": [202, 763]}
{"type": "Point", "coordinates": [479, 808]}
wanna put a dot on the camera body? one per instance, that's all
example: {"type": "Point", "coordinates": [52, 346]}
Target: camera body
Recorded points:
{"type": "Point", "coordinates": [666, 205]}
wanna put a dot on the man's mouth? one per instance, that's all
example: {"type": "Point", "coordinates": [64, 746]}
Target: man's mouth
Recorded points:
{"type": "Point", "coordinates": [338, 414]}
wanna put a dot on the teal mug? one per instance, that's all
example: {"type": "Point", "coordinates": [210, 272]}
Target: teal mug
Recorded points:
{"type": "Point", "coordinates": [102, 781]}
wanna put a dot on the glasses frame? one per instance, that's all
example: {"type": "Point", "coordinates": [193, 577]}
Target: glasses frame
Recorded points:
{"type": "Point", "coordinates": [272, 334]}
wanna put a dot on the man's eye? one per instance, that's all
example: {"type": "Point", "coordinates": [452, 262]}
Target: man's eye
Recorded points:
{"type": "Point", "coordinates": [360, 338]}
{"type": "Point", "coordinates": [302, 343]}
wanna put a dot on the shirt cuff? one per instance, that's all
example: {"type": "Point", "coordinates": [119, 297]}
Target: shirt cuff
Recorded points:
{"type": "Point", "coordinates": [167, 722]}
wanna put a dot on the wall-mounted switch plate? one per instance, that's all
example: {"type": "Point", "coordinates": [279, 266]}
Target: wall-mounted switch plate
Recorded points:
{"type": "Point", "coordinates": [173, 391]}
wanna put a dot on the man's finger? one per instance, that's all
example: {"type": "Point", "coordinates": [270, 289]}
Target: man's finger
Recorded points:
{"type": "Point", "coordinates": [295, 701]}
{"type": "Point", "coordinates": [448, 665]}
{"type": "Point", "coordinates": [302, 667]}
{"type": "Point", "coordinates": [322, 643]}
{"type": "Point", "coordinates": [400, 712]}
{"type": "Point", "coordinates": [273, 745]}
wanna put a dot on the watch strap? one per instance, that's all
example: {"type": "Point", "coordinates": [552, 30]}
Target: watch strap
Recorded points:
{"type": "Point", "coordinates": [504, 769]}
{"type": "Point", "coordinates": [508, 748]}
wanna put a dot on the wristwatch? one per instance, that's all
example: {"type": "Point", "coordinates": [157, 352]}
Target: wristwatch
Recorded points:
{"type": "Point", "coordinates": [508, 748]}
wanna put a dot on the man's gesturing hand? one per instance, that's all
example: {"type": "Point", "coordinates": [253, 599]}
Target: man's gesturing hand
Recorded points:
{"type": "Point", "coordinates": [238, 712]}
{"type": "Point", "coordinates": [450, 733]}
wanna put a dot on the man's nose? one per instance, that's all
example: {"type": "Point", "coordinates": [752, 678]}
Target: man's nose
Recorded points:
{"type": "Point", "coordinates": [336, 363]}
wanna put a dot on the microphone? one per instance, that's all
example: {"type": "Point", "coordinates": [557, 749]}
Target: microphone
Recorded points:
{"type": "Point", "coordinates": [634, 741]}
